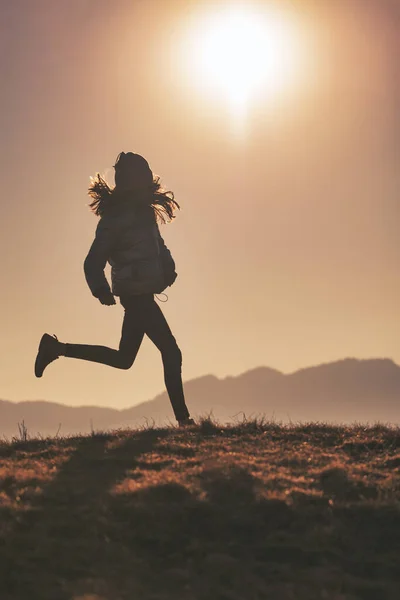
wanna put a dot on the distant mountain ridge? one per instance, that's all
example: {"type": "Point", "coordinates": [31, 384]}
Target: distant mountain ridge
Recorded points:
{"type": "Point", "coordinates": [343, 391]}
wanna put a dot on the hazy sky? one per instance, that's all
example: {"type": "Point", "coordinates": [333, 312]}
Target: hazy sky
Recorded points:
{"type": "Point", "coordinates": [287, 243]}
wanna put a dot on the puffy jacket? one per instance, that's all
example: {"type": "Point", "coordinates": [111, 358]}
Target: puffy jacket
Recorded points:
{"type": "Point", "coordinates": [130, 241]}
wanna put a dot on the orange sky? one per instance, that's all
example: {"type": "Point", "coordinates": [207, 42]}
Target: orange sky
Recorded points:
{"type": "Point", "coordinates": [287, 245]}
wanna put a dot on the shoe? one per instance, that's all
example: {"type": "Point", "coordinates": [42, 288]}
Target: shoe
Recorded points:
{"type": "Point", "coordinates": [49, 350]}
{"type": "Point", "coordinates": [186, 422]}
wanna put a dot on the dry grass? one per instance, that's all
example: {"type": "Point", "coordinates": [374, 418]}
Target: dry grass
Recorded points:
{"type": "Point", "coordinates": [247, 512]}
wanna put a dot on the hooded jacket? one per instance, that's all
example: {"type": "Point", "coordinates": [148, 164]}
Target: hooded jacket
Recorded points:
{"type": "Point", "coordinates": [128, 238]}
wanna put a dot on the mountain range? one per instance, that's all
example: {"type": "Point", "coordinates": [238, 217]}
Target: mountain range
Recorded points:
{"type": "Point", "coordinates": [349, 390]}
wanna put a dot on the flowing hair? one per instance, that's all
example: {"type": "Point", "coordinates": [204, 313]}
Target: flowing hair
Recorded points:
{"type": "Point", "coordinates": [161, 201]}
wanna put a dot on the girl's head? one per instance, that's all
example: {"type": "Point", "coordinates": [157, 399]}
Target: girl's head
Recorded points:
{"type": "Point", "coordinates": [134, 181]}
{"type": "Point", "coordinates": [132, 173]}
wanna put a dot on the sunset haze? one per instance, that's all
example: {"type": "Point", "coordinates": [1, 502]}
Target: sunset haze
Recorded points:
{"type": "Point", "coordinates": [286, 244]}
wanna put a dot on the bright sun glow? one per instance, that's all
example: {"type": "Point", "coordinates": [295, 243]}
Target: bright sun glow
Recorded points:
{"type": "Point", "coordinates": [246, 53]}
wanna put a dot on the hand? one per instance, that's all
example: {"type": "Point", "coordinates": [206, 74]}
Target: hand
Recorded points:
{"type": "Point", "coordinates": [107, 299]}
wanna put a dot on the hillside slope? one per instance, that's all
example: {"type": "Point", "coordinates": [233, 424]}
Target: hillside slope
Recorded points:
{"type": "Point", "coordinates": [247, 512]}
{"type": "Point", "coordinates": [343, 392]}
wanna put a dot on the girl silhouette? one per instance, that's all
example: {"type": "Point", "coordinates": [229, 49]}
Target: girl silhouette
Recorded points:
{"type": "Point", "coordinates": [128, 237]}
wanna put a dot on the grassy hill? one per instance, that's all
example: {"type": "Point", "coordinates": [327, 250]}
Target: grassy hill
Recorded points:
{"type": "Point", "coordinates": [244, 512]}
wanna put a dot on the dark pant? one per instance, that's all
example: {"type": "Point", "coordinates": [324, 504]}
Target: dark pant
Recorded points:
{"type": "Point", "coordinates": [142, 316]}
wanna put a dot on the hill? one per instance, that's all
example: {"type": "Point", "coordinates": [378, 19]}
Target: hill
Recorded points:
{"type": "Point", "coordinates": [341, 392]}
{"type": "Point", "coordinates": [239, 512]}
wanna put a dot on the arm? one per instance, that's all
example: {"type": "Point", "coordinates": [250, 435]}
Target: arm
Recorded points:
{"type": "Point", "coordinates": [97, 258]}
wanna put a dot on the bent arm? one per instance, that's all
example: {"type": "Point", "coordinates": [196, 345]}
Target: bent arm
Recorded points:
{"type": "Point", "coordinates": [97, 258]}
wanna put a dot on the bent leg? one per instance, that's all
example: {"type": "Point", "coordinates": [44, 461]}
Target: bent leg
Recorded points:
{"type": "Point", "coordinates": [99, 354]}
{"type": "Point", "coordinates": [131, 339]}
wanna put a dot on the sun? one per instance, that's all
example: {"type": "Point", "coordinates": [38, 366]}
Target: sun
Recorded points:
{"type": "Point", "coordinates": [245, 53]}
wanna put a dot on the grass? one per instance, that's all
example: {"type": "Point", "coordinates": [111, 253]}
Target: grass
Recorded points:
{"type": "Point", "coordinates": [245, 512]}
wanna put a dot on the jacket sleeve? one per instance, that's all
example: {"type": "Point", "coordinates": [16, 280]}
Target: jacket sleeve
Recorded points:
{"type": "Point", "coordinates": [98, 256]}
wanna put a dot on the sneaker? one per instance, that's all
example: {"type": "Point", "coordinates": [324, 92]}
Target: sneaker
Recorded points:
{"type": "Point", "coordinates": [186, 422]}
{"type": "Point", "coordinates": [49, 350]}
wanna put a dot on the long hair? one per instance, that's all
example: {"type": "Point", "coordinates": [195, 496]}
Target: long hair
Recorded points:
{"type": "Point", "coordinates": [151, 194]}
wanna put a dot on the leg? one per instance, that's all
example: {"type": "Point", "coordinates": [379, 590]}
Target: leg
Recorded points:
{"type": "Point", "coordinates": [131, 338]}
{"type": "Point", "coordinates": [157, 329]}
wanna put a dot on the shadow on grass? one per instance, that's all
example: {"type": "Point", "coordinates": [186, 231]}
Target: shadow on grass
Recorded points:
{"type": "Point", "coordinates": [57, 538]}
{"type": "Point", "coordinates": [215, 537]}
{"type": "Point", "coordinates": [230, 543]}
